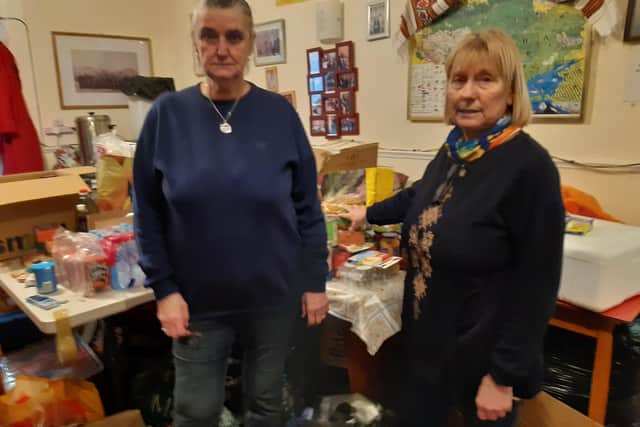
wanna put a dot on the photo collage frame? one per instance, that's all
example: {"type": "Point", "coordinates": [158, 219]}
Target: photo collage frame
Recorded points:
{"type": "Point", "coordinates": [332, 85]}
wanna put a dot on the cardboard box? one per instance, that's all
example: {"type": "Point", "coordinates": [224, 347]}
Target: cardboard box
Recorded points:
{"type": "Point", "coordinates": [32, 199]}
{"type": "Point", "coordinates": [131, 418]}
{"type": "Point", "coordinates": [545, 411]}
{"type": "Point", "coordinates": [333, 334]}
{"type": "Point", "coordinates": [334, 156]}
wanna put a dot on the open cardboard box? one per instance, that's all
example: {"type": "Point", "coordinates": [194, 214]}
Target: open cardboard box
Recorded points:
{"type": "Point", "coordinates": [545, 411]}
{"type": "Point", "coordinates": [36, 199]}
{"type": "Point", "coordinates": [542, 411]}
{"type": "Point", "coordinates": [334, 156]}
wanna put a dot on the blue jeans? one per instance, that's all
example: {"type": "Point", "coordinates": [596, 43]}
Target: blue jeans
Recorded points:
{"type": "Point", "coordinates": [201, 365]}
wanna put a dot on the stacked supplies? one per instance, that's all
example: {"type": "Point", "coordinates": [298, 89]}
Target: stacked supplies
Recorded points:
{"type": "Point", "coordinates": [98, 261]}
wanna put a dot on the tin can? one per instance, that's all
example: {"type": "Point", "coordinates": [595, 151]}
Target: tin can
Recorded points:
{"type": "Point", "coordinates": [332, 230]}
{"type": "Point", "coordinates": [329, 263]}
{"type": "Point", "coordinates": [390, 243]}
{"type": "Point", "coordinates": [46, 282]}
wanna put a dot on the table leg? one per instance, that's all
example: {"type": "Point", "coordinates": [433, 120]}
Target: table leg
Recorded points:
{"type": "Point", "coordinates": [599, 395]}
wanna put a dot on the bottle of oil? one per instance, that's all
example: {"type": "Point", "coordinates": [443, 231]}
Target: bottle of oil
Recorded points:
{"type": "Point", "coordinates": [84, 197]}
{"type": "Point", "coordinates": [82, 223]}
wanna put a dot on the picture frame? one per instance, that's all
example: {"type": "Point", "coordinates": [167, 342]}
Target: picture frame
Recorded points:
{"type": "Point", "coordinates": [331, 104]}
{"type": "Point", "coordinates": [350, 125]}
{"type": "Point", "coordinates": [329, 59]}
{"type": "Point", "coordinates": [347, 100]}
{"type": "Point", "coordinates": [318, 126]}
{"type": "Point", "coordinates": [316, 105]}
{"type": "Point", "coordinates": [632, 22]}
{"type": "Point", "coordinates": [90, 67]}
{"type": "Point", "coordinates": [377, 19]}
{"type": "Point", "coordinates": [314, 61]}
{"type": "Point", "coordinates": [345, 56]}
{"type": "Point", "coordinates": [271, 78]}
{"type": "Point", "coordinates": [316, 84]}
{"type": "Point", "coordinates": [330, 81]}
{"type": "Point", "coordinates": [270, 43]}
{"type": "Point", "coordinates": [290, 95]}
{"type": "Point", "coordinates": [348, 80]}
{"type": "Point", "coordinates": [333, 126]}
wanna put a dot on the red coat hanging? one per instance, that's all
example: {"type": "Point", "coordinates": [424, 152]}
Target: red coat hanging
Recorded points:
{"type": "Point", "coordinates": [19, 142]}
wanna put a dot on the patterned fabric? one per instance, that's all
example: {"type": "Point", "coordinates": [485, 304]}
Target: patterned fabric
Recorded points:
{"type": "Point", "coordinates": [419, 14]}
{"type": "Point", "coordinates": [421, 239]}
{"type": "Point", "coordinates": [375, 312]}
{"type": "Point", "coordinates": [421, 234]}
{"type": "Point", "coordinates": [461, 150]}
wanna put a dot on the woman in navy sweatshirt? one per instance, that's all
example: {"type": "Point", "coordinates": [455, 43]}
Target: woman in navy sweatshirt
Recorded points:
{"type": "Point", "coordinates": [228, 223]}
{"type": "Point", "coordinates": [483, 229]}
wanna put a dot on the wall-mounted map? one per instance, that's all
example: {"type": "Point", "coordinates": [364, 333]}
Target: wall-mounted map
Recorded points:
{"type": "Point", "coordinates": [552, 39]}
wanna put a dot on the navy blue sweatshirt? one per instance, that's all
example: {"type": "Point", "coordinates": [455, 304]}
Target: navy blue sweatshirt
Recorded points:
{"type": "Point", "coordinates": [231, 221]}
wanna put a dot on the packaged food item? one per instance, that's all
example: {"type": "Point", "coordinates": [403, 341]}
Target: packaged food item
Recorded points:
{"type": "Point", "coordinates": [339, 258]}
{"type": "Point", "coordinates": [390, 243]}
{"type": "Point", "coordinates": [374, 259]}
{"type": "Point", "coordinates": [577, 225]}
{"type": "Point", "coordinates": [350, 237]}
{"type": "Point", "coordinates": [332, 230]}
{"type": "Point", "coordinates": [81, 263]}
{"type": "Point", "coordinates": [41, 360]}
{"type": "Point", "coordinates": [44, 234]}
{"type": "Point", "coordinates": [46, 281]}
{"type": "Point", "coordinates": [114, 170]}
{"type": "Point", "coordinates": [355, 248]}
{"type": "Point", "coordinates": [98, 273]}
{"type": "Point", "coordinates": [330, 262]}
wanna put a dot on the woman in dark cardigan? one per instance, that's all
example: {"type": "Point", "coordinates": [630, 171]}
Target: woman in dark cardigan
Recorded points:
{"type": "Point", "coordinates": [483, 230]}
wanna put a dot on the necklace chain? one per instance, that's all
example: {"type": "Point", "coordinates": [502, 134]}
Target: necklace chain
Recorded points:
{"type": "Point", "coordinates": [225, 119]}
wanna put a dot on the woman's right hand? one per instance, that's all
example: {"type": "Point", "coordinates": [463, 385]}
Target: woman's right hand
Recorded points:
{"type": "Point", "coordinates": [357, 214]}
{"type": "Point", "coordinates": [173, 314]}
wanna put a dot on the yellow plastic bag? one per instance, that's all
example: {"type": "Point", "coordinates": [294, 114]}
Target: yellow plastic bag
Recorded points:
{"type": "Point", "coordinates": [50, 403]}
{"type": "Point", "coordinates": [114, 172]}
{"type": "Point", "coordinates": [380, 184]}
{"type": "Point", "coordinates": [114, 176]}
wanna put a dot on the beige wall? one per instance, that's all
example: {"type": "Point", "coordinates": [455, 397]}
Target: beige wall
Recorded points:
{"type": "Point", "coordinates": [607, 134]}
{"type": "Point", "coordinates": [139, 18]}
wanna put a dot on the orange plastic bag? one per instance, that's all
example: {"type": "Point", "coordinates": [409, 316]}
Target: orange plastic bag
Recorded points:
{"type": "Point", "coordinates": [50, 403]}
{"type": "Point", "coordinates": [580, 203]}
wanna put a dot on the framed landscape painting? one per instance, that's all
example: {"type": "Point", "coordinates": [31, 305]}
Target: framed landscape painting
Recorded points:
{"type": "Point", "coordinates": [90, 68]}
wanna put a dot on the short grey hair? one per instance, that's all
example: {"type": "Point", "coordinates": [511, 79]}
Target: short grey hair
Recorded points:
{"type": "Point", "coordinates": [221, 4]}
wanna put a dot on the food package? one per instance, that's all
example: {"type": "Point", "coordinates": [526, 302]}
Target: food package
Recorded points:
{"type": "Point", "coordinates": [114, 172]}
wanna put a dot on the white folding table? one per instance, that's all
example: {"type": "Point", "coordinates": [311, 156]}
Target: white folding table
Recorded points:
{"type": "Point", "coordinates": [81, 310]}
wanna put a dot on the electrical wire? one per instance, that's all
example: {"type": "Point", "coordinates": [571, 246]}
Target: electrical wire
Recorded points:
{"type": "Point", "coordinates": [588, 165]}
{"type": "Point", "coordinates": [595, 165]}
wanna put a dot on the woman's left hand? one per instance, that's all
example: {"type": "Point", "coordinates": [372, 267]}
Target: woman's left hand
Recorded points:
{"type": "Point", "coordinates": [493, 401]}
{"type": "Point", "coordinates": [315, 306]}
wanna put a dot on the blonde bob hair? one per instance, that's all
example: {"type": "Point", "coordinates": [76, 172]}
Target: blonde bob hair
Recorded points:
{"type": "Point", "coordinates": [498, 49]}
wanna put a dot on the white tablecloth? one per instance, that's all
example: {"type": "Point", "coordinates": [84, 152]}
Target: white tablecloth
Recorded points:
{"type": "Point", "coordinates": [375, 313]}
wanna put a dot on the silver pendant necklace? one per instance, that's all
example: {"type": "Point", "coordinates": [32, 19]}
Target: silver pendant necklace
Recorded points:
{"type": "Point", "coordinates": [225, 127]}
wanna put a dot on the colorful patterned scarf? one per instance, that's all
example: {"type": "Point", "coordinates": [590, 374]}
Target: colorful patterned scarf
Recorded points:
{"type": "Point", "coordinates": [421, 234]}
{"type": "Point", "coordinates": [465, 151]}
